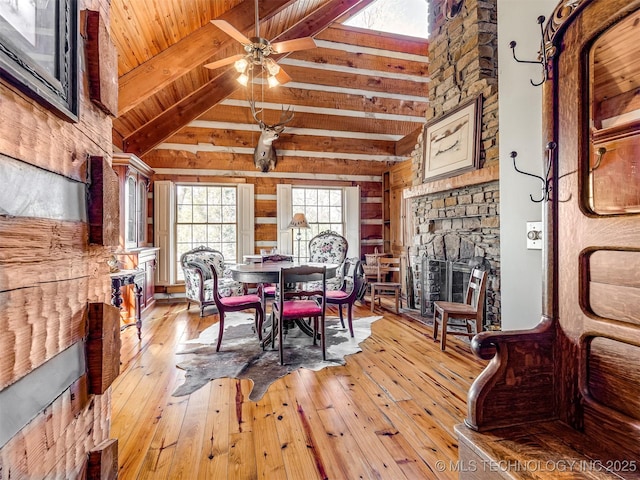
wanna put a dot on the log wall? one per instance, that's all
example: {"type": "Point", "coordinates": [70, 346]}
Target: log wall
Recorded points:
{"type": "Point", "coordinates": [170, 165]}
{"type": "Point", "coordinates": [49, 272]}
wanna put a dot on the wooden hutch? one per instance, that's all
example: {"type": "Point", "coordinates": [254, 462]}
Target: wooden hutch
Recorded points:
{"type": "Point", "coordinates": [135, 250]}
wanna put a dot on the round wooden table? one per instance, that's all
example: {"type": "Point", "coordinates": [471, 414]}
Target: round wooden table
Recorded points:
{"type": "Point", "coordinates": [269, 272]}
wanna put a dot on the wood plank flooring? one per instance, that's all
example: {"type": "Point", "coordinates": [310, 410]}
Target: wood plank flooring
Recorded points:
{"type": "Point", "coordinates": [387, 414]}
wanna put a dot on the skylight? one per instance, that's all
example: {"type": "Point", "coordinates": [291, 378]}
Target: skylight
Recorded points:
{"type": "Point", "coordinates": [404, 17]}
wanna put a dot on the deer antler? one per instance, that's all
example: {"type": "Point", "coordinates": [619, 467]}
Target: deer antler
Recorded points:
{"type": "Point", "coordinates": [285, 117]}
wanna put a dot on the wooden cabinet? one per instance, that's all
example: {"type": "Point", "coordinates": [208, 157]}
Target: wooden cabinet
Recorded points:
{"type": "Point", "coordinates": [134, 178]}
{"type": "Point", "coordinates": [135, 250]}
{"type": "Point", "coordinates": [395, 180]}
{"type": "Point", "coordinates": [144, 259]}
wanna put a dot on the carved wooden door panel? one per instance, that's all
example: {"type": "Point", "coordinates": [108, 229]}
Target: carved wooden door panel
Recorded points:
{"type": "Point", "coordinates": [595, 283]}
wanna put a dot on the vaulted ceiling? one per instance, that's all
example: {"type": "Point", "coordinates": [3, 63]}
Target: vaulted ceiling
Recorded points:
{"type": "Point", "coordinates": [359, 95]}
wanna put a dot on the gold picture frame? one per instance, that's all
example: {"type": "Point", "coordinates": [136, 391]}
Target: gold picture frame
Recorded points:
{"type": "Point", "coordinates": [451, 144]}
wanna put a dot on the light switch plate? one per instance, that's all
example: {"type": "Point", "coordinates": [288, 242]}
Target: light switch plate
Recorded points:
{"type": "Point", "coordinates": [534, 235]}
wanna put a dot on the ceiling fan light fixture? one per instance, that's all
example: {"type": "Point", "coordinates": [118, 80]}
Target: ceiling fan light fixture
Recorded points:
{"type": "Point", "coordinates": [272, 67]}
{"type": "Point", "coordinates": [241, 65]}
{"type": "Point", "coordinates": [272, 81]}
{"type": "Point", "coordinates": [243, 80]}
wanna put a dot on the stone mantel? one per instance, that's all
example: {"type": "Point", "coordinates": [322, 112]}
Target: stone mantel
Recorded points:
{"type": "Point", "coordinates": [475, 177]}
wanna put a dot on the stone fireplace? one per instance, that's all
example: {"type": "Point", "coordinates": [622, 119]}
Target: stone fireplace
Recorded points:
{"type": "Point", "coordinates": [457, 218]}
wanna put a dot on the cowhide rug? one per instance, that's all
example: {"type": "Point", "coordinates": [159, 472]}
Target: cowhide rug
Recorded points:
{"type": "Point", "coordinates": [241, 355]}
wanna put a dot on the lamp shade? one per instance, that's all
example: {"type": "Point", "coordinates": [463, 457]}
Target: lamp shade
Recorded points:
{"type": "Point", "coordinates": [298, 221]}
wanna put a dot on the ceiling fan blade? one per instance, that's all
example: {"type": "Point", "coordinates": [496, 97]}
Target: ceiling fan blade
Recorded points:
{"type": "Point", "coordinates": [224, 61]}
{"type": "Point", "coordinates": [294, 45]}
{"type": "Point", "coordinates": [230, 30]}
{"type": "Point", "coordinates": [282, 77]}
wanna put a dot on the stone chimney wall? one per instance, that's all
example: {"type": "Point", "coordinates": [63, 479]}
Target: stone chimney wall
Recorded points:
{"type": "Point", "coordinates": [463, 63]}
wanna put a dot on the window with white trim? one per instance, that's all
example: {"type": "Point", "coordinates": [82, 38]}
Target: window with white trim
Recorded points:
{"type": "Point", "coordinates": [206, 215]}
{"type": "Point", "coordinates": [323, 208]}
{"type": "Point", "coordinates": [326, 208]}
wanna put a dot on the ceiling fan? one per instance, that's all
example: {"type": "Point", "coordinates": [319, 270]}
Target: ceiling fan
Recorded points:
{"type": "Point", "coordinates": [257, 51]}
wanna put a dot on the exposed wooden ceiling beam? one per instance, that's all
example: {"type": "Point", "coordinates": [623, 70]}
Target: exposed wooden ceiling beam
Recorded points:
{"type": "Point", "coordinates": [190, 108]}
{"type": "Point", "coordinates": [407, 144]}
{"type": "Point", "coordinates": [193, 50]}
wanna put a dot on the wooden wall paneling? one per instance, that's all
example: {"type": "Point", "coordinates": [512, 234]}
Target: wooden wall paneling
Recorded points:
{"type": "Point", "coordinates": [104, 207]}
{"type": "Point", "coordinates": [365, 61]}
{"type": "Point", "coordinates": [66, 146]}
{"type": "Point", "coordinates": [266, 232]}
{"type": "Point", "coordinates": [103, 346]}
{"type": "Point", "coordinates": [29, 338]}
{"type": "Point", "coordinates": [341, 33]}
{"type": "Point", "coordinates": [103, 461]}
{"type": "Point", "coordinates": [266, 208]}
{"type": "Point", "coordinates": [102, 62]}
{"type": "Point", "coordinates": [56, 442]}
{"type": "Point", "coordinates": [363, 123]}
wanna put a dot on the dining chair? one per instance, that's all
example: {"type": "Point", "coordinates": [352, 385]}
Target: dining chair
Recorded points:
{"type": "Point", "coordinates": [199, 286]}
{"type": "Point", "coordinates": [351, 287]}
{"type": "Point", "coordinates": [329, 247]}
{"type": "Point", "coordinates": [236, 303]}
{"type": "Point", "coordinates": [382, 286]}
{"type": "Point", "coordinates": [268, 290]}
{"type": "Point", "coordinates": [300, 302]}
{"type": "Point", "coordinates": [471, 311]}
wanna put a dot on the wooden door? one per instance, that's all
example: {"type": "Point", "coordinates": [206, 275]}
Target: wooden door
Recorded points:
{"type": "Point", "coordinates": [594, 282]}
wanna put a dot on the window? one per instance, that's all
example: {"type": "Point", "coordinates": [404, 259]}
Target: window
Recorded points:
{"type": "Point", "coordinates": [323, 208]}
{"type": "Point", "coordinates": [335, 208]}
{"type": "Point", "coordinates": [235, 200]}
{"type": "Point", "coordinates": [206, 215]}
{"type": "Point", "coordinates": [135, 211]}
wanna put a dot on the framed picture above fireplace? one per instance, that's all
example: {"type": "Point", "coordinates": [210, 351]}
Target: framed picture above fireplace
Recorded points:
{"type": "Point", "coordinates": [451, 144]}
{"type": "Point", "coordinates": [38, 51]}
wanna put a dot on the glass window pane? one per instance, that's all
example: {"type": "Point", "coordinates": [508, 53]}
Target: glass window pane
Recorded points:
{"type": "Point", "coordinates": [185, 213]}
{"type": "Point", "coordinates": [229, 196]}
{"type": "Point", "coordinates": [215, 214]}
{"type": "Point", "coordinates": [183, 233]}
{"type": "Point", "coordinates": [324, 214]}
{"type": "Point", "coordinates": [336, 214]}
{"type": "Point", "coordinates": [311, 197]}
{"type": "Point", "coordinates": [199, 214]}
{"type": "Point", "coordinates": [336, 197]}
{"type": "Point", "coordinates": [199, 234]}
{"type": "Point", "coordinates": [229, 213]}
{"type": "Point", "coordinates": [199, 195]}
{"type": "Point", "coordinates": [183, 194]}
{"type": "Point", "coordinates": [297, 196]}
{"type": "Point", "coordinates": [214, 197]}
{"type": "Point", "coordinates": [214, 234]}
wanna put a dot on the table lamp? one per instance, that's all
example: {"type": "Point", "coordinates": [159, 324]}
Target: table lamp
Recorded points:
{"type": "Point", "coordinates": [298, 221]}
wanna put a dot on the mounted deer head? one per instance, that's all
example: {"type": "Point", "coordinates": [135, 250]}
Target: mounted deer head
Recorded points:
{"type": "Point", "coordinates": [264, 155]}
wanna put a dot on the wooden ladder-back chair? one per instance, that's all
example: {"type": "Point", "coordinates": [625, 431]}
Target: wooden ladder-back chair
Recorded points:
{"type": "Point", "coordinates": [381, 287]}
{"type": "Point", "coordinates": [471, 311]}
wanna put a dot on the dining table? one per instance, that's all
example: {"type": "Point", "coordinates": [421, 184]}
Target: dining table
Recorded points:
{"type": "Point", "coordinates": [269, 272]}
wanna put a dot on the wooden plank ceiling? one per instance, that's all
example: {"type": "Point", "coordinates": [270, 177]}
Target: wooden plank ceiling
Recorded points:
{"type": "Point", "coordinates": [360, 95]}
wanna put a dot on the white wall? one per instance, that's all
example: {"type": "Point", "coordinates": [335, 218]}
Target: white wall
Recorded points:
{"type": "Point", "coordinates": [520, 130]}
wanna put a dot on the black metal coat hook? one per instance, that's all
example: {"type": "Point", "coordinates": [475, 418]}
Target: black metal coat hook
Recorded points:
{"type": "Point", "coordinates": [546, 181]}
{"type": "Point", "coordinates": [542, 58]}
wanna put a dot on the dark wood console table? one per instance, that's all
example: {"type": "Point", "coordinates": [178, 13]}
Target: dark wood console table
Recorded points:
{"type": "Point", "coordinates": [123, 278]}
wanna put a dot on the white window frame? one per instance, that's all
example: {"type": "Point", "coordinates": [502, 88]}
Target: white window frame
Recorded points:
{"type": "Point", "coordinates": [351, 217]}
{"type": "Point", "coordinates": [165, 226]}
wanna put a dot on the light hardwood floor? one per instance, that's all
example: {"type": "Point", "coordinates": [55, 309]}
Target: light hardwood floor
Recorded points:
{"type": "Point", "coordinates": [387, 414]}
